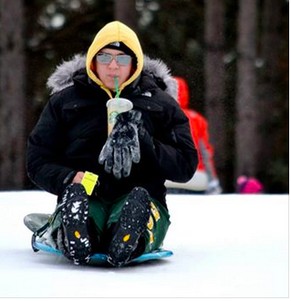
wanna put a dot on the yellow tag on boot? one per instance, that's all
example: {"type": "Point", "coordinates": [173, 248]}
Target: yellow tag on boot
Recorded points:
{"type": "Point", "coordinates": [89, 181]}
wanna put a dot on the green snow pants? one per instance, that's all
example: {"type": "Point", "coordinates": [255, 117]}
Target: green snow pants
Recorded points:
{"type": "Point", "coordinates": [104, 215]}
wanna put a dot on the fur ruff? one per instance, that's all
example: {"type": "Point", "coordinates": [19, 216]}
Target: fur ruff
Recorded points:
{"type": "Point", "coordinates": [62, 77]}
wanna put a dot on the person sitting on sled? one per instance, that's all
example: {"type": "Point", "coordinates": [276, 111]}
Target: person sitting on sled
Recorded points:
{"type": "Point", "coordinates": [125, 214]}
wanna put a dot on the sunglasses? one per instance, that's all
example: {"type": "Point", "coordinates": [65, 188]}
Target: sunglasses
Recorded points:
{"type": "Point", "coordinates": [106, 58]}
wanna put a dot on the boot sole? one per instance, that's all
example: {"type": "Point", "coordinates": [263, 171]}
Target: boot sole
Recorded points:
{"type": "Point", "coordinates": [132, 223]}
{"type": "Point", "coordinates": [74, 217]}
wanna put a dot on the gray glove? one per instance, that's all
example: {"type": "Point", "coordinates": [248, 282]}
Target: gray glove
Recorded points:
{"type": "Point", "coordinates": [122, 146]}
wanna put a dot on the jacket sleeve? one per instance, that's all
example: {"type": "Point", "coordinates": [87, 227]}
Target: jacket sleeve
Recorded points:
{"type": "Point", "coordinates": [44, 149]}
{"type": "Point", "coordinates": [170, 145]}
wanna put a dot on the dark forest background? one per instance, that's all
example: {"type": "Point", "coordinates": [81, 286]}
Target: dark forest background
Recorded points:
{"type": "Point", "coordinates": [234, 55]}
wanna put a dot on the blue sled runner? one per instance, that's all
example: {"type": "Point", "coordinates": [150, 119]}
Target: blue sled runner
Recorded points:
{"type": "Point", "coordinates": [99, 258]}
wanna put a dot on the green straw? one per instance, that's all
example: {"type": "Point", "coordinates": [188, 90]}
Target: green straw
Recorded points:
{"type": "Point", "coordinates": [116, 87]}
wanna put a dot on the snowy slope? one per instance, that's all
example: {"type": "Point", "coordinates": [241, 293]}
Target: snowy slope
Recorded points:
{"type": "Point", "coordinates": [224, 246]}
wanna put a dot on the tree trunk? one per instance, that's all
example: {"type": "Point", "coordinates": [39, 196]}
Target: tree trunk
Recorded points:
{"type": "Point", "coordinates": [268, 88]}
{"type": "Point", "coordinates": [246, 100]}
{"type": "Point", "coordinates": [215, 83]}
{"type": "Point", "coordinates": [125, 12]}
{"type": "Point", "coordinates": [12, 91]}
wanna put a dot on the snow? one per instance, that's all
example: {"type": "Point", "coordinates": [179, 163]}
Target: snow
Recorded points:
{"type": "Point", "coordinates": [224, 246]}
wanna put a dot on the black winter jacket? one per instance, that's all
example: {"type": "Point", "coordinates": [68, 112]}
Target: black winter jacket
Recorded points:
{"type": "Point", "coordinates": [72, 130]}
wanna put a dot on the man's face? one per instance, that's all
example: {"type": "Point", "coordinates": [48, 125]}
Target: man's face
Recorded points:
{"type": "Point", "coordinates": [111, 64]}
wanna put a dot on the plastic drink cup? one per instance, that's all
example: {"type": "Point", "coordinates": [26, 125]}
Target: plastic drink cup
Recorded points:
{"type": "Point", "coordinates": [116, 106]}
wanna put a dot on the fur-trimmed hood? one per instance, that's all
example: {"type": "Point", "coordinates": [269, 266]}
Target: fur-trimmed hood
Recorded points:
{"type": "Point", "coordinates": [62, 77]}
{"type": "Point", "coordinates": [114, 32]}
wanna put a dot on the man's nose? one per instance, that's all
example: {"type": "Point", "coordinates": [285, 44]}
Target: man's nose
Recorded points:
{"type": "Point", "coordinates": [113, 64]}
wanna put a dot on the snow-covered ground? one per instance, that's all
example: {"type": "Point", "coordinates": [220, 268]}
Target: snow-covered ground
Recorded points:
{"type": "Point", "coordinates": [224, 246]}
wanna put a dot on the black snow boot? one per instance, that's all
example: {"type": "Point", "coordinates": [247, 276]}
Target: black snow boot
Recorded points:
{"type": "Point", "coordinates": [74, 212]}
{"type": "Point", "coordinates": [130, 227]}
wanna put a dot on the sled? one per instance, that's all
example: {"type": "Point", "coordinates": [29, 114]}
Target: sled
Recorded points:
{"type": "Point", "coordinates": [101, 259]}
{"type": "Point", "coordinates": [37, 223]}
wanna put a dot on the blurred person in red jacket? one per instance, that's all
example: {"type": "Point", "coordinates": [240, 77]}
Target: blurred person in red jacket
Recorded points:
{"type": "Point", "coordinates": [205, 179]}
